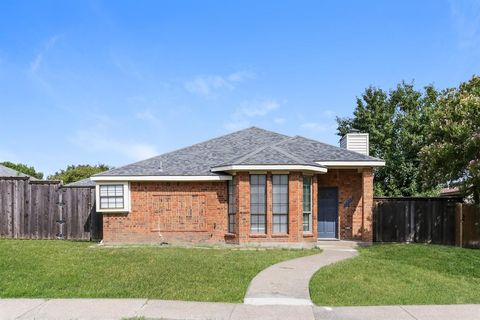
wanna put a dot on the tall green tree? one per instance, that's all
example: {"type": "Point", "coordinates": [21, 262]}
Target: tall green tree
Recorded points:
{"type": "Point", "coordinates": [23, 168]}
{"type": "Point", "coordinates": [397, 122]}
{"type": "Point", "coordinates": [75, 173]}
{"type": "Point", "coordinates": [452, 151]}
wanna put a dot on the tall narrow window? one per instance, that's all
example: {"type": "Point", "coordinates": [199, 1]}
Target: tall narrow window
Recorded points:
{"type": "Point", "coordinates": [258, 209]}
{"type": "Point", "coordinates": [231, 206]}
{"type": "Point", "coordinates": [280, 203]}
{"type": "Point", "coordinates": [307, 204]}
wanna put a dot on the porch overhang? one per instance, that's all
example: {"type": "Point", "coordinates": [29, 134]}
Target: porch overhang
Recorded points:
{"type": "Point", "coordinates": [270, 167]}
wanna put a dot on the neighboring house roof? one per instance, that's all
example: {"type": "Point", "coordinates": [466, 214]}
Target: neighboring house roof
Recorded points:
{"type": "Point", "coordinates": [8, 172]}
{"type": "Point", "coordinates": [82, 183]}
{"type": "Point", "coordinates": [252, 146]}
{"type": "Point", "coordinates": [445, 192]}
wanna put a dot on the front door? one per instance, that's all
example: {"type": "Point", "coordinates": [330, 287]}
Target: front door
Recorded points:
{"type": "Point", "coordinates": [327, 212]}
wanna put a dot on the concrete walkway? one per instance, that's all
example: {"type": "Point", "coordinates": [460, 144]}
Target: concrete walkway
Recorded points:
{"type": "Point", "coordinates": [117, 309]}
{"type": "Point", "coordinates": [287, 283]}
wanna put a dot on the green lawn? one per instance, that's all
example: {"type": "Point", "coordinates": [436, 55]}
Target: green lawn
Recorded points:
{"type": "Point", "coordinates": [59, 269]}
{"type": "Point", "coordinates": [400, 274]}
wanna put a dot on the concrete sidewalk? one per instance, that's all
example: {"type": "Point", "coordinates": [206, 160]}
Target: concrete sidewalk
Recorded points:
{"type": "Point", "coordinates": [116, 309]}
{"type": "Point", "coordinates": [287, 283]}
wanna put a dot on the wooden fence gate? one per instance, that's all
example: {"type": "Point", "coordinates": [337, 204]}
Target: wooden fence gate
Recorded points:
{"type": "Point", "coordinates": [468, 225]}
{"type": "Point", "coordinates": [428, 220]}
{"type": "Point", "coordinates": [34, 209]}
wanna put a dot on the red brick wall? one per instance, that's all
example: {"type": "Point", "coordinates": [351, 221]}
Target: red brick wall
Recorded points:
{"type": "Point", "coordinates": [196, 212]}
{"type": "Point", "coordinates": [171, 212]}
{"type": "Point", "coordinates": [367, 205]}
{"type": "Point", "coordinates": [355, 222]}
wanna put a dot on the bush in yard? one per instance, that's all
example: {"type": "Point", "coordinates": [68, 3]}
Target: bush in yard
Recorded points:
{"type": "Point", "coordinates": [75, 173]}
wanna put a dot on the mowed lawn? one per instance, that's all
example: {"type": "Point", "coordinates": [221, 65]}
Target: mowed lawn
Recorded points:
{"type": "Point", "coordinates": [60, 269]}
{"type": "Point", "coordinates": [400, 274]}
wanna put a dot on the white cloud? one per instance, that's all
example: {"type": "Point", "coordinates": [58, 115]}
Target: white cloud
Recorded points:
{"type": "Point", "coordinates": [235, 125]}
{"type": "Point", "coordinates": [466, 20]}
{"type": "Point", "coordinates": [258, 108]}
{"type": "Point", "coordinates": [209, 85]}
{"type": "Point", "coordinates": [147, 115]}
{"type": "Point", "coordinates": [243, 116]}
{"type": "Point", "coordinates": [98, 142]}
{"type": "Point", "coordinates": [314, 126]}
{"type": "Point", "coordinates": [328, 113]}
{"type": "Point", "coordinates": [38, 60]}
{"type": "Point", "coordinates": [126, 65]}
{"type": "Point", "coordinates": [240, 76]}
{"type": "Point", "coordinates": [280, 120]}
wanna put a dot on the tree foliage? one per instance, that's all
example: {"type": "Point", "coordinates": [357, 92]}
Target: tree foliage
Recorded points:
{"type": "Point", "coordinates": [75, 173]}
{"type": "Point", "coordinates": [397, 122]}
{"type": "Point", "coordinates": [23, 168]}
{"type": "Point", "coordinates": [452, 151]}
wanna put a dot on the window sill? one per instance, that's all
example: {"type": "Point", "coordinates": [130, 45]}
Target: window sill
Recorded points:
{"type": "Point", "coordinates": [122, 211]}
{"type": "Point", "coordinates": [308, 235]}
{"type": "Point", "coordinates": [257, 235]}
{"type": "Point", "coordinates": [230, 235]}
{"type": "Point", "coordinates": [280, 235]}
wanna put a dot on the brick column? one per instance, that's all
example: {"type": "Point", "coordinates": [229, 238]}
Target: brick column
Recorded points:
{"type": "Point", "coordinates": [295, 211]}
{"type": "Point", "coordinates": [315, 206]}
{"type": "Point", "coordinates": [367, 205]}
{"type": "Point", "coordinates": [243, 205]}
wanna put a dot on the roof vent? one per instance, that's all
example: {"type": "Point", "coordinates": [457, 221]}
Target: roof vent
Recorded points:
{"type": "Point", "coordinates": [356, 141]}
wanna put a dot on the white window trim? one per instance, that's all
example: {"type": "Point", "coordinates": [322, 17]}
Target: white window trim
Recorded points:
{"type": "Point", "coordinates": [288, 204]}
{"type": "Point", "coordinates": [310, 218]}
{"type": "Point", "coordinates": [126, 196]}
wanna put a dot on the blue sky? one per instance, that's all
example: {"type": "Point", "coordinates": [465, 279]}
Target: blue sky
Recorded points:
{"type": "Point", "coordinates": [118, 81]}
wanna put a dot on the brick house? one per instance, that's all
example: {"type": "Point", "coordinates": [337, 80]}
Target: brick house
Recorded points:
{"type": "Point", "coordinates": [249, 187]}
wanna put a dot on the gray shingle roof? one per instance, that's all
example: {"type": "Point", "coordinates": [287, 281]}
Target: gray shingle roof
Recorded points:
{"type": "Point", "coordinates": [312, 150]}
{"type": "Point", "coordinates": [248, 146]}
{"type": "Point", "coordinates": [82, 183]}
{"type": "Point", "coordinates": [7, 172]}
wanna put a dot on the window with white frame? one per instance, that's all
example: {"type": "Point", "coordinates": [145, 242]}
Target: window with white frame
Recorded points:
{"type": "Point", "coordinates": [280, 203]}
{"type": "Point", "coordinates": [258, 203]}
{"type": "Point", "coordinates": [307, 204]}
{"type": "Point", "coordinates": [231, 206]}
{"type": "Point", "coordinates": [112, 196]}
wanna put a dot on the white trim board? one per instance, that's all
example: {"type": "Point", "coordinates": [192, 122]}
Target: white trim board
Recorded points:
{"type": "Point", "coordinates": [160, 178]}
{"type": "Point", "coordinates": [270, 167]}
{"type": "Point", "coordinates": [353, 164]}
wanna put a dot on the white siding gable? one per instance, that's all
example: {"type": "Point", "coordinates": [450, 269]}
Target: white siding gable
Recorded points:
{"type": "Point", "coordinates": [357, 142]}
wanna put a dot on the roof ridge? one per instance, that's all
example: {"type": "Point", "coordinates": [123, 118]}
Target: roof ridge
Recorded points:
{"type": "Point", "coordinates": [254, 152]}
{"type": "Point", "coordinates": [193, 145]}
{"type": "Point", "coordinates": [288, 154]}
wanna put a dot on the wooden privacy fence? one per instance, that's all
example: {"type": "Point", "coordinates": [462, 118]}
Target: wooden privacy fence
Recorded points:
{"type": "Point", "coordinates": [34, 209]}
{"type": "Point", "coordinates": [428, 220]}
